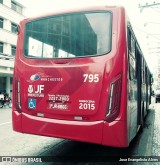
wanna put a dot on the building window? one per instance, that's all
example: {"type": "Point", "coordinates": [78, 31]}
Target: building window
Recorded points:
{"type": "Point", "coordinates": [16, 7]}
{"type": "Point", "coordinates": [13, 50]}
{"type": "Point", "coordinates": [1, 47]}
{"type": "Point", "coordinates": [14, 28]}
{"type": "Point", "coordinates": [1, 1]}
{"type": "Point", "coordinates": [1, 22]}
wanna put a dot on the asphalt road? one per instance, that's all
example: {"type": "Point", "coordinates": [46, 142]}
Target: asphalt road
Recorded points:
{"type": "Point", "coordinates": [71, 152]}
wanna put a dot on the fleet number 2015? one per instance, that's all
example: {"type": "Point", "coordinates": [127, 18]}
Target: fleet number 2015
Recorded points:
{"type": "Point", "coordinates": [85, 106]}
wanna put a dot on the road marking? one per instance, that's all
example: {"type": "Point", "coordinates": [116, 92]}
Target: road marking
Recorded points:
{"type": "Point", "coordinates": [5, 123]}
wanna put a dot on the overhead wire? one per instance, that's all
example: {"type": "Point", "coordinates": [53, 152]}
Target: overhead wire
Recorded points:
{"type": "Point", "coordinates": [155, 10]}
{"type": "Point", "coordinates": [152, 35]}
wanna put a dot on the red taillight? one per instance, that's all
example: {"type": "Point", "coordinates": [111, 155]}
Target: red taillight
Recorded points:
{"type": "Point", "coordinates": [114, 99]}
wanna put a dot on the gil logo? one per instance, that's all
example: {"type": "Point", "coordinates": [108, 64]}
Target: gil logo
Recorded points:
{"type": "Point", "coordinates": [38, 76]}
{"type": "Point", "coordinates": [35, 77]}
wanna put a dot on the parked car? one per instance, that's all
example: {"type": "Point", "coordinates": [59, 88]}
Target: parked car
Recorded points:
{"type": "Point", "coordinates": [157, 95]}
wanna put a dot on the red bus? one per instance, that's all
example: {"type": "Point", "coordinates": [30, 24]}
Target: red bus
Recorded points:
{"type": "Point", "coordinates": [80, 74]}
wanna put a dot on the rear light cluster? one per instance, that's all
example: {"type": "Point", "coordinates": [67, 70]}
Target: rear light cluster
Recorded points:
{"type": "Point", "coordinates": [17, 95]}
{"type": "Point", "coordinates": [114, 99]}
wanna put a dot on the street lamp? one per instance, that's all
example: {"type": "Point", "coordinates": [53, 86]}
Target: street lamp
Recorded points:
{"type": "Point", "coordinates": [151, 43]}
{"type": "Point", "coordinates": [155, 36]}
{"type": "Point", "coordinates": [154, 53]}
{"type": "Point", "coordinates": [153, 48]}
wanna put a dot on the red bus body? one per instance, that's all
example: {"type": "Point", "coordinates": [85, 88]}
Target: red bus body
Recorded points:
{"type": "Point", "coordinates": [92, 99]}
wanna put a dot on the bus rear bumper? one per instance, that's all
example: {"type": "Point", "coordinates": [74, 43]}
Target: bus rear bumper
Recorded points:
{"type": "Point", "coordinates": [74, 130]}
{"type": "Point", "coordinates": [100, 132]}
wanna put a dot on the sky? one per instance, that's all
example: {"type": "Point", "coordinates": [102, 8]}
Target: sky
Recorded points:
{"type": "Point", "coordinates": [40, 6]}
{"type": "Point", "coordinates": [144, 22]}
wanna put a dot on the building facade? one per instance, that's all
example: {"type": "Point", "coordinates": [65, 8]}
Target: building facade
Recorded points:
{"type": "Point", "coordinates": [156, 72]}
{"type": "Point", "coordinates": [11, 13]}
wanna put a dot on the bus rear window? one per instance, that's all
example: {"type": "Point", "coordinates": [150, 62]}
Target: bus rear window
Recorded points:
{"type": "Point", "coordinates": [69, 36]}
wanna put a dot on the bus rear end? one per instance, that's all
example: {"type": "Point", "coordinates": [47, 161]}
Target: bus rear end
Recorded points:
{"type": "Point", "coordinates": [68, 77]}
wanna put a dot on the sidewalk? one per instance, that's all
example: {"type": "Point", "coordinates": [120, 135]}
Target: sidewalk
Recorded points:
{"type": "Point", "coordinates": [156, 134]}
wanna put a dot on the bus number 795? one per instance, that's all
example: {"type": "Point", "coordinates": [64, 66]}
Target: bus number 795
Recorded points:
{"type": "Point", "coordinates": [91, 78]}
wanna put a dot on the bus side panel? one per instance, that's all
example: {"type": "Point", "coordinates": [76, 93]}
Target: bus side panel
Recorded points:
{"type": "Point", "coordinates": [115, 134]}
{"type": "Point", "coordinates": [74, 130]}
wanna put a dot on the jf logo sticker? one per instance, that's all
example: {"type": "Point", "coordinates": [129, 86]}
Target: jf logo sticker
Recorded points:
{"type": "Point", "coordinates": [32, 103]}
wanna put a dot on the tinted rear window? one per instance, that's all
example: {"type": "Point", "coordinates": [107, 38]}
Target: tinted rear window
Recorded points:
{"type": "Point", "coordinates": [69, 36]}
